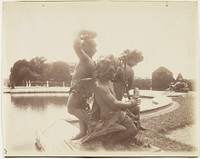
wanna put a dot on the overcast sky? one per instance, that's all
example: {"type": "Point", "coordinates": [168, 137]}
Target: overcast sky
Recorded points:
{"type": "Point", "coordinates": [167, 36]}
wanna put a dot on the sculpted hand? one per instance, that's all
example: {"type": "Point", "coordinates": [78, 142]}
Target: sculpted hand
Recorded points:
{"type": "Point", "coordinates": [135, 102]}
{"type": "Point", "coordinates": [138, 100]}
{"type": "Point", "coordinates": [80, 34]}
{"type": "Point", "coordinates": [87, 34]}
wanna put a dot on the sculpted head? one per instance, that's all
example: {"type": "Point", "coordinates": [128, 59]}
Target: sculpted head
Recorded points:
{"type": "Point", "coordinates": [132, 58]}
{"type": "Point", "coordinates": [107, 67]}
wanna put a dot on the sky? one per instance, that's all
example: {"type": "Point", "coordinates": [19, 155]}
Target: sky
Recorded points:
{"type": "Point", "coordinates": [165, 33]}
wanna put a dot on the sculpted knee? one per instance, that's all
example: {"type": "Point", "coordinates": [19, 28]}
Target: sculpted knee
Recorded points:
{"type": "Point", "coordinates": [70, 110]}
{"type": "Point", "coordinates": [135, 110]}
{"type": "Point", "coordinates": [133, 131]}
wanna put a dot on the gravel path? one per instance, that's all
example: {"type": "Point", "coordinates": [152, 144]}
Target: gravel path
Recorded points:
{"type": "Point", "coordinates": [161, 125]}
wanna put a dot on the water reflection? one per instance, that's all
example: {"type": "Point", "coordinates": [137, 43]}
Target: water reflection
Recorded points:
{"type": "Point", "coordinates": [39, 102]}
{"type": "Point", "coordinates": [24, 113]}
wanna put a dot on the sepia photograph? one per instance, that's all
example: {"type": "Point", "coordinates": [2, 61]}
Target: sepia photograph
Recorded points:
{"type": "Point", "coordinates": [100, 79]}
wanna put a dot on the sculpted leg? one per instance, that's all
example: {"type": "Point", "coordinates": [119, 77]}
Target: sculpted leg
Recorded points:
{"type": "Point", "coordinates": [122, 137]}
{"type": "Point", "coordinates": [83, 130]}
{"type": "Point", "coordinates": [73, 108]}
{"type": "Point", "coordinates": [136, 111]}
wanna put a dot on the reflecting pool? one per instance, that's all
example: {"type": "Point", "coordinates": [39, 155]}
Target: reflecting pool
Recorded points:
{"type": "Point", "coordinates": [22, 113]}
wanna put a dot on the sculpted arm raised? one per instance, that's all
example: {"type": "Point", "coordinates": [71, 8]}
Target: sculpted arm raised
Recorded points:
{"type": "Point", "coordinates": [84, 44]}
{"type": "Point", "coordinates": [78, 47]}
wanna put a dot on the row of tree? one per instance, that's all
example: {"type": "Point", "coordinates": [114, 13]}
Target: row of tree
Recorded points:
{"type": "Point", "coordinates": [37, 69]}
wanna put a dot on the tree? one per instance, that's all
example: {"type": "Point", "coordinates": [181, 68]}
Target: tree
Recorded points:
{"type": "Point", "coordinates": [46, 72]}
{"type": "Point", "coordinates": [60, 71]}
{"type": "Point", "coordinates": [161, 79]}
{"type": "Point", "coordinates": [38, 66]}
{"type": "Point", "coordinates": [38, 70]}
{"type": "Point", "coordinates": [144, 84]}
{"type": "Point", "coordinates": [20, 72]}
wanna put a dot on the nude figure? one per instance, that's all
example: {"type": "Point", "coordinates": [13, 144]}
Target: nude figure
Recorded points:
{"type": "Point", "coordinates": [85, 48]}
{"type": "Point", "coordinates": [112, 111]}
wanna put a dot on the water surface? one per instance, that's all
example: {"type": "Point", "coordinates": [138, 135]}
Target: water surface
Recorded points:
{"type": "Point", "coordinates": [24, 113]}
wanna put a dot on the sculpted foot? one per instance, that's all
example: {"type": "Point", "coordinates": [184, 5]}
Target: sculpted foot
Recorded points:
{"type": "Point", "coordinates": [79, 136]}
{"type": "Point", "coordinates": [142, 128]}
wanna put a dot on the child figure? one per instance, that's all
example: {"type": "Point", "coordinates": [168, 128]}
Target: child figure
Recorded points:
{"type": "Point", "coordinates": [124, 80]}
{"type": "Point", "coordinates": [85, 48]}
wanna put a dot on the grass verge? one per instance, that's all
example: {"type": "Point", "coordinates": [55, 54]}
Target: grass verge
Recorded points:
{"type": "Point", "coordinates": [160, 125]}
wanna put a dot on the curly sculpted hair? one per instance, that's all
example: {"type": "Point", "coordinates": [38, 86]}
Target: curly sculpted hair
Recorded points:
{"type": "Point", "coordinates": [104, 63]}
{"type": "Point", "coordinates": [128, 54]}
{"type": "Point", "coordinates": [88, 44]}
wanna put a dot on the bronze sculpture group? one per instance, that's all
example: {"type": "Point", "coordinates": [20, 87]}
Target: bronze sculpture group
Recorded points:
{"type": "Point", "coordinates": [109, 119]}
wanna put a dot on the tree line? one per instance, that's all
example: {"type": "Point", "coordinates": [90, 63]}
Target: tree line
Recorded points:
{"type": "Point", "coordinates": [37, 69]}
